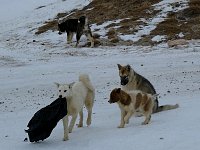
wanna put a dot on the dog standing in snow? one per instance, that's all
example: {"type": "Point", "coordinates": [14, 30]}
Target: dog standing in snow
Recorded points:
{"type": "Point", "coordinates": [131, 80]}
{"type": "Point", "coordinates": [131, 101]}
{"type": "Point", "coordinates": [79, 27]}
{"type": "Point", "coordinates": [77, 94]}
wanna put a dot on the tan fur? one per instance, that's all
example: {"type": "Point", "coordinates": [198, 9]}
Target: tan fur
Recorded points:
{"type": "Point", "coordinates": [138, 100]}
{"type": "Point", "coordinates": [131, 80]}
{"type": "Point", "coordinates": [132, 101]}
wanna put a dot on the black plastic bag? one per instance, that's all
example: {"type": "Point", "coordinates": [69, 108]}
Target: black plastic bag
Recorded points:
{"type": "Point", "coordinates": [45, 120]}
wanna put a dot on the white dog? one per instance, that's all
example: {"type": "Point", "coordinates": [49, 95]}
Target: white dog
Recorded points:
{"type": "Point", "coordinates": [77, 94]}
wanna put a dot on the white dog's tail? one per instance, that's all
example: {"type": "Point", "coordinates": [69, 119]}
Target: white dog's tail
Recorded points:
{"type": "Point", "coordinates": [86, 81]}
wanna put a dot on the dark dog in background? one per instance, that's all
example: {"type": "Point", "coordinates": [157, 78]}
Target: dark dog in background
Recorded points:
{"type": "Point", "coordinates": [79, 27]}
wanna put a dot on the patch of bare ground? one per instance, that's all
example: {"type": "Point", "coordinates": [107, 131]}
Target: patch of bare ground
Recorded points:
{"type": "Point", "coordinates": [186, 22]}
{"type": "Point", "coordinates": [98, 12]}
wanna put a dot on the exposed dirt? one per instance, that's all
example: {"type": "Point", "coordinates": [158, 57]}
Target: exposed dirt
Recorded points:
{"type": "Point", "coordinates": [186, 21]}
{"type": "Point", "coordinates": [98, 12]}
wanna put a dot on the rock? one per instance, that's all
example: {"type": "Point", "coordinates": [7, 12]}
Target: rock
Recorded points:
{"type": "Point", "coordinates": [178, 42]}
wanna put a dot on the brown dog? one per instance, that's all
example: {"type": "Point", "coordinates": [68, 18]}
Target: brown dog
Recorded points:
{"type": "Point", "coordinates": [132, 101]}
{"type": "Point", "coordinates": [131, 80]}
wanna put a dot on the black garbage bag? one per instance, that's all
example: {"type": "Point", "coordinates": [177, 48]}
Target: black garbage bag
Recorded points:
{"type": "Point", "coordinates": [45, 120]}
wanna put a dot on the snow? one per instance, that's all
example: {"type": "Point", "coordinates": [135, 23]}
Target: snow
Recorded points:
{"type": "Point", "coordinates": [181, 35]}
{"type": "Point", "coordinates": [158, 38]}
{"type": "Point", "coordinates": [102, 30]}
{"type": "Point", "coordinates": [29, 69]}
{"type": "Point", "coordinates": [165, 6]}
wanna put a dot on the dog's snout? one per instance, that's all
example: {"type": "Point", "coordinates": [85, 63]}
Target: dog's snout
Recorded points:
{"type": "Point", "coordinates": [60, 96]}
{"type": "Point", "coordinates": [124, 80]}
{"type": "Point", "coordinates": [59, 33]}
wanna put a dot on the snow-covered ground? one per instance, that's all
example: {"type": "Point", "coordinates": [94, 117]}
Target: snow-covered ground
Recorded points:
{"type": "Point", "coordinates": [30, 64]}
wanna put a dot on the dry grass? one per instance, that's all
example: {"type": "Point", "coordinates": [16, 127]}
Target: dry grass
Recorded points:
{"type": "Point", "coordinates": [50, 25]}
{"type": "Point", "coordinates": [98, 12]}
{"type": "Point", "coordinates": [169, 27]}
{"type": "Point", "coordinates": [105, 10]}
{"type": "Point", "coordinates": [186, 21]}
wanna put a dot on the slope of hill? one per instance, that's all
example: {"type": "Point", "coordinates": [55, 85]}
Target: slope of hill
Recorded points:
{"type": "Point", "coordinates": [142, 22]}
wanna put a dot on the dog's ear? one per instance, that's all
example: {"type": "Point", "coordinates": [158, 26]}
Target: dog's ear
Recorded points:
{"type": "Point", "coordinates": [118, 90]}
{"type": "Point", "coordinates": [119, 66]}
{"type": "Point", "coordinates": [71, 84]}
{"type": "Point", "coordinates": [128, 67]}
{"type": "Point", "coordinates": [57, 84]}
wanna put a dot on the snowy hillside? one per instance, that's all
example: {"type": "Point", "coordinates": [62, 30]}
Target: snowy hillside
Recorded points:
{"type": "Point", "coordinates": [30, 64]}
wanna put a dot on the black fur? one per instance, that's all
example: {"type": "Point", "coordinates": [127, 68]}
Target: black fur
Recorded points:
{"type": "Point", "coordinates": [45, 120]}
{"type": "Point", "coordinates": [77, 26]}
{"type": "Point", "coordinates": [69, 25]}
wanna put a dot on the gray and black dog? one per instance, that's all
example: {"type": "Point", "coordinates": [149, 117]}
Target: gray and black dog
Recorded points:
{"type": "Point", "coordinates": [131, 80]}
{"type": "Point", "coordinates": [78, 26]}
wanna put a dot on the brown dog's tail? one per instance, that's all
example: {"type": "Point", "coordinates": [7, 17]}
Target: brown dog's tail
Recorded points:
{"type": "Point", "coordinates": [166, 107]}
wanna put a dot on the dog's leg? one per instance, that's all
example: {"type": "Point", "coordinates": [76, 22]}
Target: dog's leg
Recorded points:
{"type": "Point", "coordinates": [91, 39]}
{"type": "Point", "coordinates": [68, 37]}
{"type": "Point", "coordinates": [147, 118]}
{"type": "Point", "coordinates": [71, 37]}
{"type": "Point", "coordinates": [89, 104]}
{"type": "Point", "coordinates": [122, 119]}
{"type": "Point", "coordinates": [89, 117]}
{"type": "Point", "coordinates": [81, 119]}
{"type": "Point", "coordinates": [78, 36]}
{"type": "Point", "coordinates": [65, 125]}
{"type": "Point", "coordinates": [127, 117]}
{"type": "Point", "coordinates": [73, 120]}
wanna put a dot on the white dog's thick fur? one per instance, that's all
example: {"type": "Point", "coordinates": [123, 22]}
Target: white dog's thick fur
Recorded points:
{"type": "Point", "coordinates": [77, 94]}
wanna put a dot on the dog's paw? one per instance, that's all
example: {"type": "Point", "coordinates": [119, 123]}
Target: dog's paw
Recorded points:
{"type": "Point", "coordinates": [76, 46]}
{"type": "Point", "coordinates": [121, 126]}
{"type": "Point", "coordinates": [145, 123]}
{"type": "Point", "coordinates": [65, 138]}
{"type": "Point", "coordinates": [88, 122]}
{"type": "Point", "coordinates": [80, 125]}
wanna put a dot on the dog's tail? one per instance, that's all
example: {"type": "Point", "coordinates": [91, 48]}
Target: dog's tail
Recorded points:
{"type": "Point", "coordinates": [166, 107]}
{"type": "Point", "coordinates": [86, 81]}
